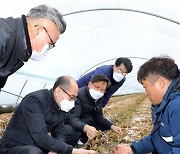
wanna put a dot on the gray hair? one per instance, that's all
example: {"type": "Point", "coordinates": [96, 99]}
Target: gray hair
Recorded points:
{"type": "Point", "coordinates": [45, 11]}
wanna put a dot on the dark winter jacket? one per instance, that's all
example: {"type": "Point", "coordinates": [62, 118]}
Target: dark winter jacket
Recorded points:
{"type": "Point", "coordinates": [165, 136]}
{"type": "Point", "coordinates": [105, 70]}
{"type": "Point", "coordinates": [15, 47]}
{"type": "Point", "coordinates": [86, 111]}
{"type": "Point", "coordinates": [37, 115]}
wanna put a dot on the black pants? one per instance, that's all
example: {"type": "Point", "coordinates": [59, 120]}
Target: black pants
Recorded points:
{"type": "Point", "coordinates": [25, 150]}
{"type": "Point", "coordinates": [72, 135]}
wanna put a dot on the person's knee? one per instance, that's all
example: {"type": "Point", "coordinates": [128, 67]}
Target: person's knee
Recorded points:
{"type": "Point", "coordinates": [34, 150]}
{"type": "Point", "coordinates": [30, 150]}
{"type": "Point", "coordinates": [72, 135]}
{"type": "Point", "coordinates": [25, 150]}
{"type": "Point", "coordinates": [72, 132]}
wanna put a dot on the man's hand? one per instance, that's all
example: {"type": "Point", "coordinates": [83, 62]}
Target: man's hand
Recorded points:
{"type": "Point", "coordinates": [83, 151]}
{"type": "Point", "coordinates": [122, 149]}
{"type": "Point", "coordinates": [90, 131]}
{"type": "Point", "coordinates": [116, 129]}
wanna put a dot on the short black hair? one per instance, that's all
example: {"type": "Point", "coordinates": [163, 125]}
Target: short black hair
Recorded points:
{"type": "Point", "coordinates": [63, 82]}
{"type": "Point", "coordinates": [100, 77]}
{"type": "Point", "coordinates": [163, 65]}
{"type": "Point", "coordinates": [127, 63]}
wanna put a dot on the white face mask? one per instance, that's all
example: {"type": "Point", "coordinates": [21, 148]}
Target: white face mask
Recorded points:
{"type": "Point", "coordinates": [117, 76]}
{"type": "Point", "coordinates": [95, 94]}
{"type": "Point", "coordinates": [66, 105]}
{"type": "Point", "coordinates": [38, 56]}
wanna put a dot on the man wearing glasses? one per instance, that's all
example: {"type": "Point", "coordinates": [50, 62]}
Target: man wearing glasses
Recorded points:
{"type": "Point", "coordinates": [27, 37]}
{"type": "Point", "coordinates": [87, 115]}
{"type": "Point", "coordinates": [37, 125]}
{"type": "Point", "coordinates": [116, 74]}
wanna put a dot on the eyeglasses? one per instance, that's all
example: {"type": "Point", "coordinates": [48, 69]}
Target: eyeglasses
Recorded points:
{"type": "Point", "coordinates": [52, 45]}
{"type": "Point", "coordinates": [72, 98]}
{"type": "Point", "coordinates": [123, 73]}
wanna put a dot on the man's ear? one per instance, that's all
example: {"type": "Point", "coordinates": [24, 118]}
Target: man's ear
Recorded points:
{"type": "Point", "coordinates": [36, 31]}
{"type": "Point", "coordinates": [162, 82]}
{"type": "Point", "coordinates": [57, 91]}
{"type": "Point", "coordinates": [89, 84]}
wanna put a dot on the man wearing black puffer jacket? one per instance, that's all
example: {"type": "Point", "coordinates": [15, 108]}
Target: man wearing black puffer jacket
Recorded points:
{"type": "Point", "coordinates": [87, 115]}
{"type": "Point", "coordinates": [27, 37]}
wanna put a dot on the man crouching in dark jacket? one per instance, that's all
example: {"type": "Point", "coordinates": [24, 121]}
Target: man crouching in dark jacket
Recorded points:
{"type": "Point", "coordinates": [40, 113]}
{"type": "Point", "coordinates": [87, 116]}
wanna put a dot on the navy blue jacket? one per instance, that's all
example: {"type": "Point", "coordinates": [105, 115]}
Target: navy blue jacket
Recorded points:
{"type": "Point", "coordinates": [37, 115]}
{"type": "Point", "coordinates": [15, 46]}
{"type": "Point", "coordinates": [165, 136]}
{"type": "Point", "coordinates": [105, 70]}
{"type": "Point", "coordinates": [87, 111]}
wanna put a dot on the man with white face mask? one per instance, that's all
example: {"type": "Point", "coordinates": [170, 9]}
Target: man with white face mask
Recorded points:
{"type": "Point", "coordinates": [160, 78]}
{"type": "Point", "coordinates": [116, 74]}
{"type": "Point", "coordinates": [87, 115]}
{"type": "Point", "coordinates": [40, 114]}
{"type": "Point", "coordinates": [28, 37]}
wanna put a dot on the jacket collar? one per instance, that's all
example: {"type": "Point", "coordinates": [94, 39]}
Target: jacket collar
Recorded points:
{"type": "Point", "coordinates": [176, 87]}
{"type": "Point", "coordinates": [28, 48]}
{"type": "Point", "coordinates": [54, 106]}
